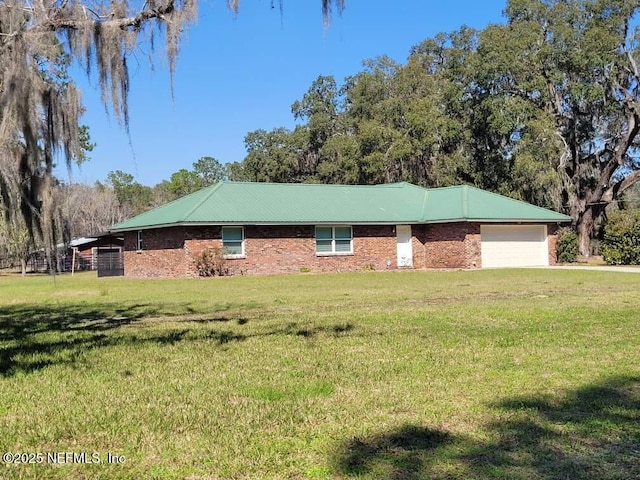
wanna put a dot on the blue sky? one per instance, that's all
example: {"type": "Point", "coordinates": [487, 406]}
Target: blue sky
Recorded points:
{"type": "Point", "coordinates": [239, 73]}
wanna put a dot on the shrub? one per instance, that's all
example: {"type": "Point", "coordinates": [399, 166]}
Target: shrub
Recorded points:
{"type": "Point", "coordinates": [621, 243]}
{"type": "Point", "coordinates": [211, 262]}
{"type": "Point", "coordinates": [567, 246]}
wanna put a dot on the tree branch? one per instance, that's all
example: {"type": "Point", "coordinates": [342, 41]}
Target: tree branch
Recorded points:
{"type": "Point", "coordinates": [620, 151]}
{"type": "Point", "coordinates": [122, 23]}
{"type": "Point", "coordinates": [620, 186]}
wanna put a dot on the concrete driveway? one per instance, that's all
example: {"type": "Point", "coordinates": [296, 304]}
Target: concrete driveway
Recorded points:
{"type": "Point", "coordinates": [601, 268]}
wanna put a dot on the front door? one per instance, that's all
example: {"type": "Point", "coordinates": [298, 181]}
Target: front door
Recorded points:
{"type": "Point", "coordinates": [405, 251]}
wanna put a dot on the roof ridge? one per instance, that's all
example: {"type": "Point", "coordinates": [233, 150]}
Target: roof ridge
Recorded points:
{"type": "Point", "coordinates": [465, 201]}
{"type": "Point", "coordinates": [425, 201]}
{"type": "Point", "coordinates": [215, 188]}
{"type": "Point", "coordinates": [448, 187]}
{"type": "Point", "coordinates": [338, 185]}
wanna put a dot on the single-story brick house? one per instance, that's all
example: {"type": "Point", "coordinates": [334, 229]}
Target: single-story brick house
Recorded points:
{"type": "Point", "coordinates": [267, 228]}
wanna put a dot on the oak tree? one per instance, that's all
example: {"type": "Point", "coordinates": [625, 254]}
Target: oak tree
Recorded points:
{"type": "Point", "coordinates": [567, 74]}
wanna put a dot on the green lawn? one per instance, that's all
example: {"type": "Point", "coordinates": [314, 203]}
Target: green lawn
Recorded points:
{"type": "Point", "coordinates": [512, 374]}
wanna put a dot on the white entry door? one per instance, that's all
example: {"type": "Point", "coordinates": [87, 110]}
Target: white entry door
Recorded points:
{"type": "Point", "coordinates": [405, 251]}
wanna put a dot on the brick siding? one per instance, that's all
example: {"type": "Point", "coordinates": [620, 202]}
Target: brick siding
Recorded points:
{"type": "Point", "coordinates": [291, 249]}
{"type": "Point", "coordinates": [172, 252]}
{"type": "Point", "coordinates": [450, 245]}
{"type": "Point", "coordinates": [552, 239]}
{"type": "Point", "coordinates": [163, 253]}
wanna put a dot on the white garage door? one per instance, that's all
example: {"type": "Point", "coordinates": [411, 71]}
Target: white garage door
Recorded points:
{"type": "Point", "coordinates": [514, 245]}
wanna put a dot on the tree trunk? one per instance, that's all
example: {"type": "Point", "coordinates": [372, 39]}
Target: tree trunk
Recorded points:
{"type": "Point", "coordinates": [23, 266]}
{"type": "Point", "coordinates": [584, 228]}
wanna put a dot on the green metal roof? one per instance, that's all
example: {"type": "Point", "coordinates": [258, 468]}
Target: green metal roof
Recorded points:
{"type": "Point", "coordinates": [473, 204]}
{"type": "Point", "coordinates": [244, 203]}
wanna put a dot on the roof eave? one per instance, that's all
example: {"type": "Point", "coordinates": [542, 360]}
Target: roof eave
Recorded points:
{"type": "Point", "coordinates": [341, 222]}
{"type": "Point", "coordinates": [250, 222]}
{"type": "Point", "coordinates": [496, 220]}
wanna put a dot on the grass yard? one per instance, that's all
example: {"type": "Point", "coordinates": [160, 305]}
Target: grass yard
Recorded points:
{"type": "Point", "coordinates": [503, 374]}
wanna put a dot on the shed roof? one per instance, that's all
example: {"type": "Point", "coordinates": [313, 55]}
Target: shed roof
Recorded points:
{"type": "Point", "coordinates": [245, 203]}
{"type": "Point", "coordinates": [77, 242]}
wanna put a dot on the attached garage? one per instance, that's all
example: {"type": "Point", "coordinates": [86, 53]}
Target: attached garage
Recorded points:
{"type": "Point", "coordinates": [514, 246]}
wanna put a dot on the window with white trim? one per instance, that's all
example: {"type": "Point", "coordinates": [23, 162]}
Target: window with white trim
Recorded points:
{"type": "Point", "coordinates": [336, 240]}
{"type": "Point", "coordinates": [139, 242]}
{"type": "Point", "coordinates": [233, 241]}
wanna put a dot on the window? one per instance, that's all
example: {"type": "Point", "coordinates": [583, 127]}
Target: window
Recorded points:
{"type": "Point", "coordinates": [233, 241]}
{"type": "Point", "coordinates": [139, 243]}
{"type": "Point", "coordinates": [334, 240]}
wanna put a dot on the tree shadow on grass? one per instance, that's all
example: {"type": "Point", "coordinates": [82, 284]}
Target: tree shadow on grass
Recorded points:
{"type": "Point", "coordinates": [588, 433]}
{"type": "Point", "coordinates": [400, 454]}
{"type": "Point", "coordinates": [591, 432]}
{"type": "Point", "coordinates": [35, 337]}
{"type": "Point", "coordinates": [20, 321]}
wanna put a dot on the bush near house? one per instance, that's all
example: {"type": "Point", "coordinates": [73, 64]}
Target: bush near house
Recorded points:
{"type": "Point", "coordinates": [567, 246]}
{"type": "Point", "coordinates": [211, 262]}
{"type": "Point", "coordinates": [621, 243]}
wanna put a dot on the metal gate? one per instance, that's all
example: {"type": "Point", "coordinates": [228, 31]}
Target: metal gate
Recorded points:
{"type": "Point", "coordinates": [110, 262]}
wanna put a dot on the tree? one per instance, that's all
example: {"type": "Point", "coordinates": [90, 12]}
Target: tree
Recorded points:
{"type": "Point", "coordinates": [133, 197]}
{"type": "Point", "coordinates": [210, 171]}
{"type": "Point", "coordinates": [271, 157]}
{"type": "Point", "coordinates": [15, 241]}
{"type": "Point", "coordinates": [183, 182]}
{"type": "Point", "coordinates": [566, 73]}
{"type": "Point", "coordinates": [161, 194]}
{"type": "Point", "coordinates": [621, 243]}
{"type": "Point", "coordinates": [407, 117]}
{"type": "Point", "coordinates": [86, 145]}
{"type": "Point", "coordinates": [39, 103]}
{"type": "Point", "coordinates": [319, 107]}
{"type": "Point", "coordinates": [90, 209]}
{"type": "Point", "coordinates": [206, 171]}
